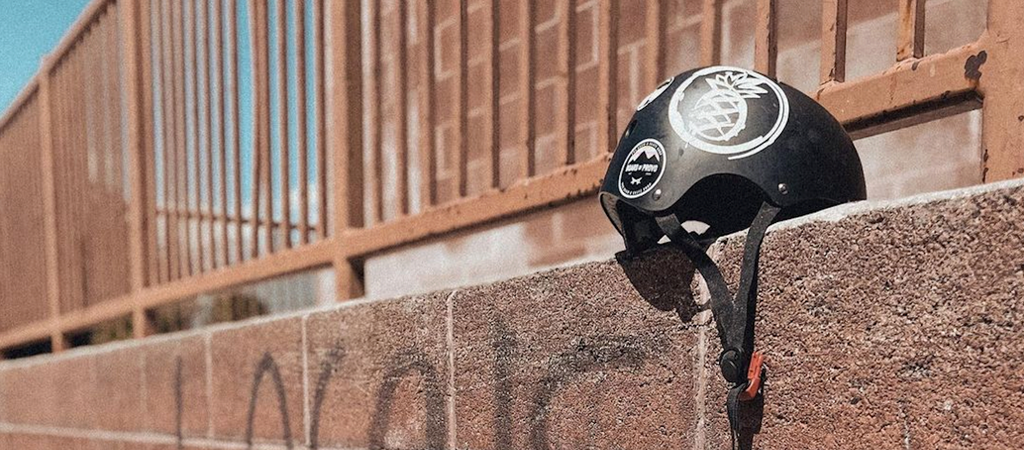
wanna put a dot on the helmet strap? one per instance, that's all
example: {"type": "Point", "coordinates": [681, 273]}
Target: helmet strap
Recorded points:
{"type": "Point", "coordinates": [734, 316]}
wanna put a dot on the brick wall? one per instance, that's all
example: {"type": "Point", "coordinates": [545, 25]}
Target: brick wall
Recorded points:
{"type": "Point", "coordinates": [887, 325]}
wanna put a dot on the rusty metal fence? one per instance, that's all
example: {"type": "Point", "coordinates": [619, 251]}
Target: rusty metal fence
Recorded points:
{"type": "Point", "coordinates": [170, 148]}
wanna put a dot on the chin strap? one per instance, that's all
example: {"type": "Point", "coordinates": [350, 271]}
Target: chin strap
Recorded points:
{"type": "Point", "coordinates": [741, 366]}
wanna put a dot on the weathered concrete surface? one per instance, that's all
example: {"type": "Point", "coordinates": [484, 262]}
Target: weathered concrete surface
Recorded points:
{"type": "Point", "coordinates": [886, 326]}
{"type": "Point", "coordinates": [896, 328]}
{"type": "Point", "coordinates": [379, 374]}
{"type": "Point", "coordinates": [257, 378]}
{"type": "Point", "coordinates": [577, 359]}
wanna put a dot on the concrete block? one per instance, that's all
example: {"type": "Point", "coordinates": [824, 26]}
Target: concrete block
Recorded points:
{"type": "Point", "coordinates": [378, 374]}
{"type": "Point", "coordinates": [117, 392]}
{"type": "Point", "coordinates": [257, 382]}
{"type": "Point", "coordinates": [893, 328]}
{"type": "Point", "coordinates": [176, 387]}
{"type": "Point", "coordinates": [576, 358]}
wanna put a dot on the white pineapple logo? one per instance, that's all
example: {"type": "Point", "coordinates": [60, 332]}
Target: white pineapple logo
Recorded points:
{"type": "Point", "coordinates": [713, 117]}
{"type": "Point", "coordinates": [721, 113]}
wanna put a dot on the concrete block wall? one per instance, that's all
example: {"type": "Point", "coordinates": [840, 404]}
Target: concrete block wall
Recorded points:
{"type": "Point", "coordinates": [887, 325]}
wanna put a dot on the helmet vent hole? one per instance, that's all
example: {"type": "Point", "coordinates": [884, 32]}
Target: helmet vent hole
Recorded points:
{"type": "Point", "coordinates": [696, 226]}
{"type": "Point", "coordinates": [629, 129]}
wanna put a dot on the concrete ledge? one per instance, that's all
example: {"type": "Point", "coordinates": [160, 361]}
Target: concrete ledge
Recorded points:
{"type": "Point", "coordinates": [893, 325]}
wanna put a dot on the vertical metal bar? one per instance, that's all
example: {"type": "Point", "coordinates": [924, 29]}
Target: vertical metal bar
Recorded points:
{"type": "Point", "coordinates": [608, 74]}
{"type": "Point", "coordinates": [222, 127]}
{"type": "Point", "coordinates": [257, 101]}
{"type": "Point", "coordinates": [236, 139]}
{"type": "Point", "coordinates": [320, 116]}
{"type": "Point", "coordinates": [377, 118]}
{"type": "Point", "coordinates": [49, 193]}
{"type": "Point", "coordinates": [528, 18]}
{"type": "Point", "coordinates": [96, 117]}
{"type": "Point", "coordinates": [80, 188]}
{"type": "Point", "coordinates": [59, 119]}
{"type": "Point", "coordinates": [911, 35]}
{"type": "Point", "coordinates": [63, 161]}
{"type": "Point", "coordinates": [195, 212]}
{"type": "Point", "coordinates": [346, 140]}
{"type": "Point", "coordinates": [462, 152]}
{"type": "Point", "coordinates": [110, 111]}
{"type": "Point", "coordinates": [264, 103]}
{"type": "Point", "coordinates": [208, 127]}
{"type": "Point", "coordinates": [1001, 86]}
{"type": "Point", "coordinates": [261, 166]}
{"type": "Point", "coordinates": [65, 155]}
{"type": "Point", "coordinates": [402, 150]}
{"type": "Point", "coordinates": [87, 157]}
{"type": "Point", "coordinates": [711, 33]}
{"type": "Point", "coordinates": [133, 81]}
{"type": "Point", "coordinates": [85, 186]}
{"type": "Point", "coordinates": [766, 45]}
{"type": "Point", "coordinates": [181, 151]}
{"type": "Point", "coordinates": [569, 40]}
{"type": "Point", "coordinates": [428, 155]}
{"type": "Point", "coordinates": [111, 181]}
{"type": "Point", "coordinates": [148, 138]}
{"type": "Point", "coordinates": [495, 93]}
{"type": "Point", "coordinates": [121, 154]}
{"type": "Point", "coordinates": [301, 119]}
{"type": "Point", "coordinates": [282, 105]}
{"type": "Point", "coordinates": [168, 133]}
{"type": "Point", "coordinates": [117, 152]}
{"type": "Point", "coordinates": [833, 40]}
{"type": "Point", "coordinates": [7, 136]}
{"type": "Point", "coordinates": [656, 23]}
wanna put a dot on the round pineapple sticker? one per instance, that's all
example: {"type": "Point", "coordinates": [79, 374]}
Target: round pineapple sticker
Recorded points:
{"type": "Point", "coordinates": [643, 168]}
{"type": "Point", "coordinates": [728, 111]}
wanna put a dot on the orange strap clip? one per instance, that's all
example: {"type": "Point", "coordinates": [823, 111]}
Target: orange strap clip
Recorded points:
{"type": "Point", "coordinates": [753, 377]}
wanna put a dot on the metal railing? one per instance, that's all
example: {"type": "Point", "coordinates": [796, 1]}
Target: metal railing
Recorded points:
{"type": "Point", "coordinates": [170, 148]}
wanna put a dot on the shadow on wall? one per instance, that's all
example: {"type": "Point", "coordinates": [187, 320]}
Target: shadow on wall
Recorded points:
{"type": "Point", "coordinates": [670, 290]}
{"type": "Point", "coordinates": [664, 289]}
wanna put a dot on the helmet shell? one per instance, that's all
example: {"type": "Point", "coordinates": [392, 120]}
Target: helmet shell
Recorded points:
{"type": "Point", "coordinates": [712, 144]}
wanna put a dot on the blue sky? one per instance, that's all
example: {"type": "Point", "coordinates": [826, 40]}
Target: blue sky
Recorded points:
{"type": "Point", "coordinates": [28, 30]}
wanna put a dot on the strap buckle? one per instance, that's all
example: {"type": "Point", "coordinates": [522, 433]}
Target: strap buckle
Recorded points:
{"type": "Point", "coordinates": [754, 376]}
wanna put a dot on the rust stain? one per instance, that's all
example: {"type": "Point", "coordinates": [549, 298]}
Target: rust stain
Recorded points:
{"type": "Point", "coordinates": [972, 68]}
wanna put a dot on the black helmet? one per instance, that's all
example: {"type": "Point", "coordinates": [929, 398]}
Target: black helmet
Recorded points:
{"type": "Point", "coordinates": [709, 145]}
{"type": "Point", "coordinates": [732, 149]}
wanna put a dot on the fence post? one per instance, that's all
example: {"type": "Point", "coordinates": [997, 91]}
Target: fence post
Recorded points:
{"type": "Point", "coordinates": [345, 139]}
{"type": "Point", "coordinates": [1001, 83]}
{"type": "Point", "coordinates": [57, 339]}
{"type": "Point", "coordinates": [132, 42]}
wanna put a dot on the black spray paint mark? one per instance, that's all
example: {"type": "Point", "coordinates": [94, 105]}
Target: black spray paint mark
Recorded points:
{"type": "Point", "coordinates": [437, 417]}
{"type": "Point", "coordinates": [266, 364]}
{"type": "Point", "coordinates": [590, 354]}
{"type": "Point", "coordinates": [503, 341]}
{"type": "Point", "coordinates": [179, 402]}
{"type": "Point", "coordinates": [328, 367]}
{"type": "Point", "coordinates": [972, 68]}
